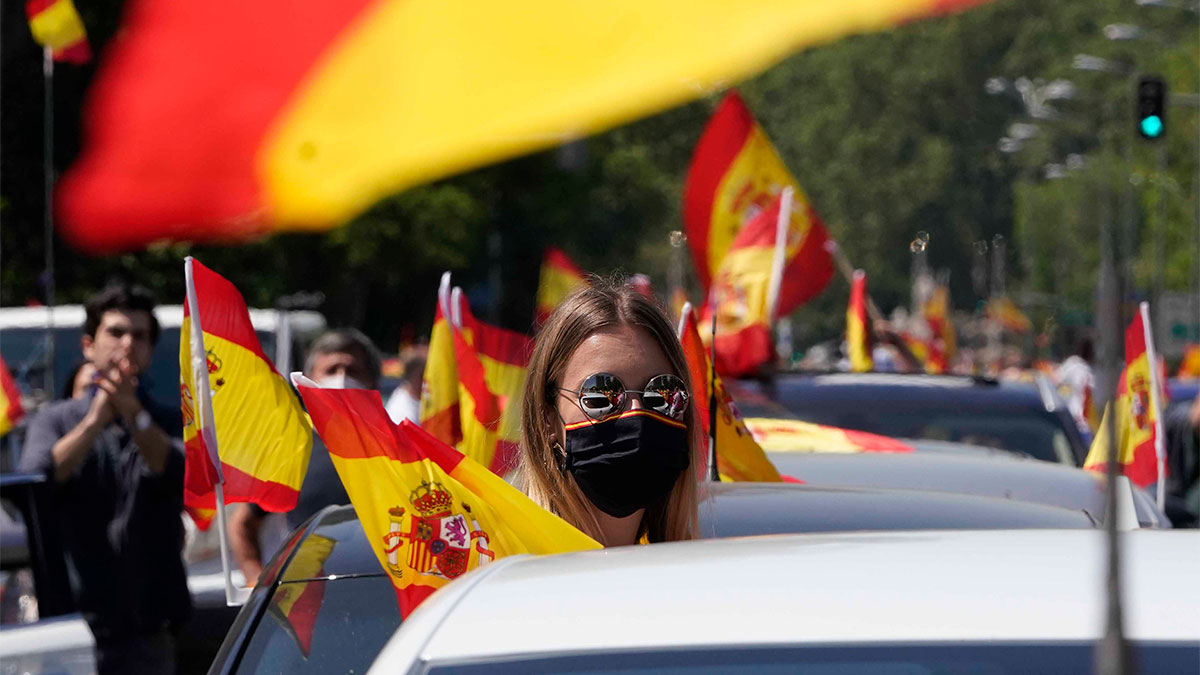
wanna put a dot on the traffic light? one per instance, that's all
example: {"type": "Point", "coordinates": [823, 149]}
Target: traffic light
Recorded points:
{"type": "Point", "coordinates": [1152, 107]}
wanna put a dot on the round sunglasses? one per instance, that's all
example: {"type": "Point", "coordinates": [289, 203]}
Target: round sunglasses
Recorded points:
{"type": "Point", "coordinates": [603, 395]}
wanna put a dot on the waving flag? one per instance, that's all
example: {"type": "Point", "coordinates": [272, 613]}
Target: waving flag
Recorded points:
{"type": "Point", "coordinates": [56, 25]}
{"type": "Point", "coordinates": [560, 276]}
{"type": "Point", "coordinates": [1138, 409]}
{"type": "Point", "coordinates": [739, 457]}
{"type": "Point", "coordinates": [11, 411]}
{"type": "Point", "coordinates": [941, 328]}
{"type": "Point", "coordinates": [227, 119]}
{"type": "Point", "coordinates": [430, 513]}
{"type": "Point", "coordinates": [858, 333]}
{"type": "Point", "coordinates": [785, 435]}
{"type": "Point", "coordinates": [1005, 312]}
{"type": "Point", "coordinates": [440, 414]}
{"type": "Point", "coordinates": [257, 434]}
{"type": "Point", "coordinates": [735, 175]}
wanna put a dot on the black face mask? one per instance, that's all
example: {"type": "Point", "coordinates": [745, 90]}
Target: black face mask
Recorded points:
{"type": "Point", "coordinates": [626, 462]}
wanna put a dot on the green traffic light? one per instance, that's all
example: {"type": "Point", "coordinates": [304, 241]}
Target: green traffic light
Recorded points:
{"type": "Point", "coordinates": [1152, 126]}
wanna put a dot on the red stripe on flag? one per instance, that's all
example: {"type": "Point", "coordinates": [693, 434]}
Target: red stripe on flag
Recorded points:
{"type": "Point", "coordinates": [743, 351]}
{"type": "Point", "coordinates": [809, 271]}
{"type": "Point", "coordinates": [721, 142]}
{"type": "Point", "coordinates": [230, 68]}
{"type": "Point", "coordinates": [78, 53]}
{"type": "Point", "coordinates": [874, 442]}
{"type": "Point", "coordinates": [239, 487]}
{"type": "Point", "coordinates": [223, 311]}
{"type": "Point", "coordinates": [412, 596]}
{"type": "Point", "coordinates": [429, 447]}
{"type": "Point", "coordinates": [446, 424]}
{"type": "Point", "coordinates": [354, 424]}
{"type": "Point", "coordinates": [35, 7]}
{"type": "Point", "coordinates": [505, 459]}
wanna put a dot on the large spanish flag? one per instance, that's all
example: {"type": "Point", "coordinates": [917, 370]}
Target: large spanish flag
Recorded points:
{"type": "Point", "coordinates": [735, 175]}
{"type": "Point", "coordinates": [430, 513]}
{"type": "Point", "coordinates": [56, 25]}
{"type": "Point", "coordinates": [739, 456]}
{"type": "Point", "coordinates": [262, 437]}
{"type": "Point", "coordinates": [1138, 409]}
{"type": "Point", "coordinates": [560, 276]}
{"type": "Point", "coordinates": [228, 119]}
{"type": "Point", "coordinates": [858, 332]}
{"type": "Point", "coordinates": [11, 411]}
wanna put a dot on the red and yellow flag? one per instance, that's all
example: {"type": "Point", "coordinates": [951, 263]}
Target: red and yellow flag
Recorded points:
{"type": "Point", "coordinates": [440, 414]}
{"type": "Point", "coordinates": [1004, 311]}
{"type": "Point", "coordinates": [735, 175]}
{"type": "Point", "coordinates": [11, 411]}
{"type": "Point", "coordinates": [1189, 367]}
{"type": "Point", "coordinates": [1138, 409]}
{"type": "Point", "coordinates": [559, 278]}
{"type": "Point", "coordinates": [786, 435]}
{"type": "Point", "coordinates": [261, 434]}
{"type": "Point", "coordinates": [942, 343]}
{"type": "Point", "coordinates": [739, 457]}
{"type": "Point", "coordinates": [858, 332]}
{"type": "Point", "coordinates": [297, 599]}
{"type": "Point", "coordinates": [430, 513]}
{"type": "Point", "coordinates": [228, 119]}
{"type": "Point", "coordinates": [56, 24]}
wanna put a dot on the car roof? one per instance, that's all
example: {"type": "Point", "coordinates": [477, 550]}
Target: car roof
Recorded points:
{"type": "Point", "coordinates": [865, 588]}
{"type": "Point", "coordinates": [169, 316]}
{"type": "Point", "coordinates": [913, 388]}
{"type": "Point", "coordinates": [741, 509]}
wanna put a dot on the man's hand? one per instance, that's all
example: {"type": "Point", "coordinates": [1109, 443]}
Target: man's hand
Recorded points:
{"type": "Point", "coordinates": [119, 387]}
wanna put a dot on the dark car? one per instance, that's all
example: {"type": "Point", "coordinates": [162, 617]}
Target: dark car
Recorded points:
{"type": "Point", "coordinates": [324, 604]}
{"type": "Point", "coordinates": [1026, 418]}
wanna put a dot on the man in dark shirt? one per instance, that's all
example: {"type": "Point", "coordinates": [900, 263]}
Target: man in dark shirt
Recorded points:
{"type": "Point", "coordinates": [343, 358]}
{"type": "Point", "coordinates": [118, 463]}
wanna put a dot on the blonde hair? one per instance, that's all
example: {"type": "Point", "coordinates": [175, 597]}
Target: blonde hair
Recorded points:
{"type": "Point", "coordinates": [601, 304]}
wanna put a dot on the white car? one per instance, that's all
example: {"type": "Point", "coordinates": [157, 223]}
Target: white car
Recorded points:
{"type": "Point", "coordinates": [1029, 601]}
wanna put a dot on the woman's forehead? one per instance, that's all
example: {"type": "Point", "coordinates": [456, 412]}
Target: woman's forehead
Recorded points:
{"type": "Point", "coordinates": [629, 352]}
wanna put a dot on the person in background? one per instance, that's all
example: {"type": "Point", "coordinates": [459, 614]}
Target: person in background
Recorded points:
{"type": "Point", "coordinates": [405, 401]}
{"type": "Point", "coordinates": [82, 376]}
{"type": "Point", "coordinates": [607, 432]}
{"type": "Point", "coordinates": [1076, 380]}
{"type": "Point", "coordinates": [339, 359]}
{"type": "Point", "coordinates": [117, 460]}
{"type": "Point", "coordinates": [1181, 425]}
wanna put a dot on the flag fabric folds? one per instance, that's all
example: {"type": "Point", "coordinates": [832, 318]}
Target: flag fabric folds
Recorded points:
{"type": "Point", "coordinates": [559, 277]}
{"type": "Point", "coordinates": [300, 114]}
{"type": "Point", "coordinates": [11, 411]}
{"type": "Point", "coordinates": [440, 414]}
{"type": "Point", "coordinates": [262, 436]}
{"type": "Point", "coordinates": [785, 435]}
{"type": "Point", "coordinates": [55, 24]}
{"type": "Point", "coordinates": [1138, 409]}
{"type": "Point", "coordinates": [735, 175]}
{"type": "Point", "coordinates": [430, 513]}
{"type": "Point", "coordinates": [858, 333]}
{"type": "Point", "coordinates": [739, 456]}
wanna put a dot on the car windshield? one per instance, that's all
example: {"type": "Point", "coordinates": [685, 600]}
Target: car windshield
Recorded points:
{"type": "Point", "coordinates": [937, 659]}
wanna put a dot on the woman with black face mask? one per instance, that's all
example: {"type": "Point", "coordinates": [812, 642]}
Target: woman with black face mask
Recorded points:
{"type": "Point", "coordinates": [608, 430]}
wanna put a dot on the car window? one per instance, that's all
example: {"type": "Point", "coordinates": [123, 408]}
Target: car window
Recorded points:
{"type": "Point", "coordinates": [323, 626]}
{"type": "Point", "coordinates": [956, 659]}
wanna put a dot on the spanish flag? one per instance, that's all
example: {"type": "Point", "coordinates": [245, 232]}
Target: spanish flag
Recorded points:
{"type": "Point", "coordinates": [739, 456]}
{"type": "Point", "coordinates": [56, 25]}
{"type": "Point", "coordinates": [1189, 367]}
{"type": "Point", "coordinates": [431, 514]}
{"type": "Point", "coordinates": [255, 438]}
{"type": "Point", "coordinates": [736, 174]}
{"type": "Point", "coordinates": [1138, 409]}
{"type": "Point", "coordinates": [296, 601]}
{"type": "Point", "coordinates": [226, 119]}
{"type": "Point", "coordinates": [941, 328]}
{"type": "Point", "coordinates": [858, 333]}
{"type": "Point", "coordinates": [559, 278]}
{"type": "Point", "coordinates": [440, 414]}
{"type": "Point", "coordinates": [1005, 312]}
{"type": "Point", "coordinates": [11, 411]}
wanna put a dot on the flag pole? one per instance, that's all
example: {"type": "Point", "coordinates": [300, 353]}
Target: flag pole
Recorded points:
{"type": "Point", "coordinates": [781, 237]}
{"type": "Point", "coordinates": [1160, 452]}
{"type": "Point", "coordinates": [713, 473]}
{"type": "Point", "coordinates": [48, 210]}
{"type": "Point", "coordinates": [847, 271]}
{"type": "Point", "coordinates": [234, 596]}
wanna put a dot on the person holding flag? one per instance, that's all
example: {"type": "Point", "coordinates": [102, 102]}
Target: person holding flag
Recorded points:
{"type": "Point", "coordinates": [117, 460]}
{"type": "Point", "coordinates": [607, 432]}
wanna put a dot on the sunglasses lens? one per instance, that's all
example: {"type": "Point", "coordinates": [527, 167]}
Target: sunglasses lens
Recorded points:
{"type": "Point", "coordinates": [667, 395]}
{"type": "Point", "coordinates": [600, 395]}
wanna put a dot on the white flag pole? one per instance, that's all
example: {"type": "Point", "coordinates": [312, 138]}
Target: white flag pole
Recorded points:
{"type": "Point", "coordinates": [782, 226]}
{"type": "Point", "coordinates": [234, 596]}
{"type": "Point", "coordinates": [1160, 451]}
